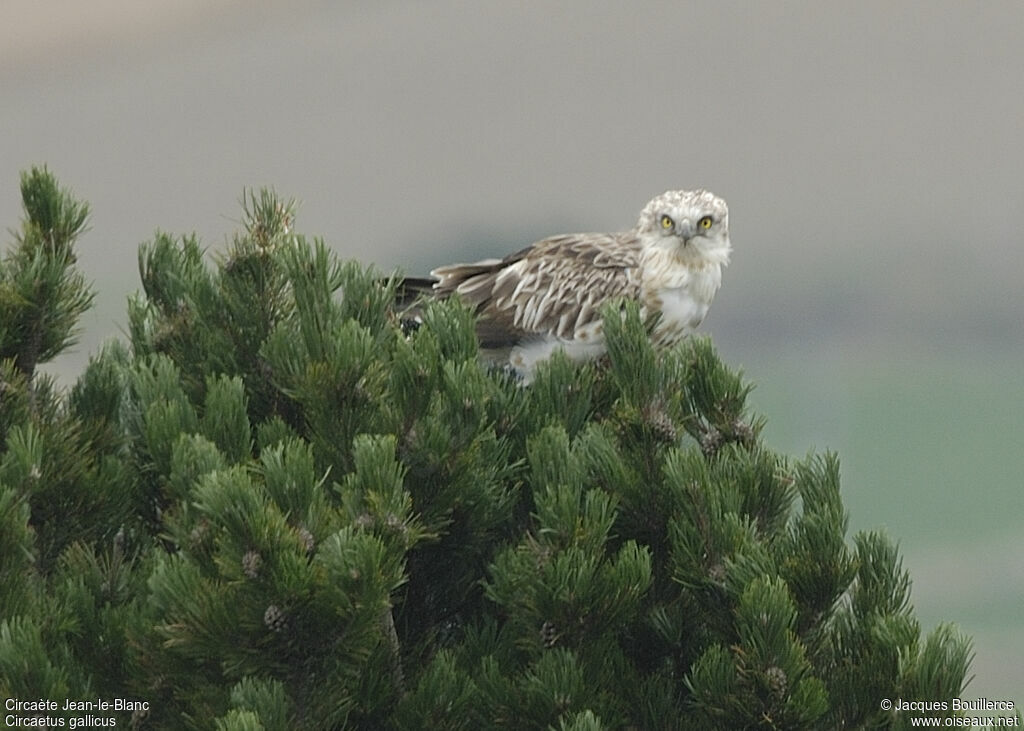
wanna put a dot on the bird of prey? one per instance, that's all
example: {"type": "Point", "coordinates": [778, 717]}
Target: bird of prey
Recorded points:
{"type": "Point", "coordinates": [548, 296]}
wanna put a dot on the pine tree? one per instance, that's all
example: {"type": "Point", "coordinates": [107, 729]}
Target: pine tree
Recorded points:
{"type": "Point", "coordinates": [278, 508]}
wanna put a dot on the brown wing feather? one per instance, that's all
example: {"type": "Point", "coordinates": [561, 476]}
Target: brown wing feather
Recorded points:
{"type": "Point", "coordinates": [554, 287]}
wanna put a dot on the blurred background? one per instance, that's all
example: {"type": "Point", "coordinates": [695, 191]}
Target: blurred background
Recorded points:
{"type": "Point", "coordinates": [871, 154]}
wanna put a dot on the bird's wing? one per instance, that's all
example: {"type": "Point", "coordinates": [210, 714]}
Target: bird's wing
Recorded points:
{"type": "Point", "coordinates": [553, 288]}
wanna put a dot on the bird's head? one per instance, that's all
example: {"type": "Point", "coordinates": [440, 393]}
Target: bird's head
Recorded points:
{"type": "Point", "coordinates": [690, 224]}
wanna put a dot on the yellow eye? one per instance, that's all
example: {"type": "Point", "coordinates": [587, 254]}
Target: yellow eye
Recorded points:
{"type": "Point", "coordinates": [705, 223]}
{"type": "Point", "coordinates": [667, 222]}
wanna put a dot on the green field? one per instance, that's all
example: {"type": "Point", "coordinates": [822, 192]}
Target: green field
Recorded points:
{"type": "Point", "coordinates": [932, 451]}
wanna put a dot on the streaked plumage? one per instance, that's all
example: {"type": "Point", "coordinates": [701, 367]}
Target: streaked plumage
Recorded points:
{"type": "Point", "coordinates": [548, 296]}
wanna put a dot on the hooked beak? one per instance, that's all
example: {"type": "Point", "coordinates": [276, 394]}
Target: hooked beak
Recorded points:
{"type": "Point", "coordinates": [685, 230]}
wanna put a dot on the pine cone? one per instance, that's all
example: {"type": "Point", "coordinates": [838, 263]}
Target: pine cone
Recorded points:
{"type": "Point", "coordinates": [663, 427]}
{"type": "Point", "coordinates": [364, 520]}
{"type": "Point", "coordinates": [717, 572]}
{"type": "Point", "coordinates": [199, 536]}
{"type": "Point", "coordinates": [777, 680]}
{"type": "Point", "coordinates": [743, 432]}
{"type": "Point", "coordinates": [251, 564]}
{"type": "Point", "coordinates": [307, 539]}
{"type": "Point", "coordinates": [711, 441]}
{"type": "Point", "coordinates": [660, 423]}
{"type": "Point", "coordinates": [548, 634]}
{"type": "Point", "coordinates": [274, 618]}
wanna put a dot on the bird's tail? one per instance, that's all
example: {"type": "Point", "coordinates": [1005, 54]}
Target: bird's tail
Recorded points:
{"type": "Point", "coordinates": [410, 295]}
{"type": "Point", "coordinates": [411, 291]}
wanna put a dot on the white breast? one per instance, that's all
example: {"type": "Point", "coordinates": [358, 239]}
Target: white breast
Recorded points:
{"type": "Point", "coordinates": [683, 300]}
{"type": "Point", "coordinates": [681, 309]}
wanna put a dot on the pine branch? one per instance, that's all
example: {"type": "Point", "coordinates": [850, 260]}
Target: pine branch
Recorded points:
{"type": "Point", "coordinates": [42, 294]}
{"type": "Point", "coordinates": [394, 650]}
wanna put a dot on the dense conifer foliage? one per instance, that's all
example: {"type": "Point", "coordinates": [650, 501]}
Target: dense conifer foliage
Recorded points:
{"type": "Point", "coordinates": [277, 506]}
